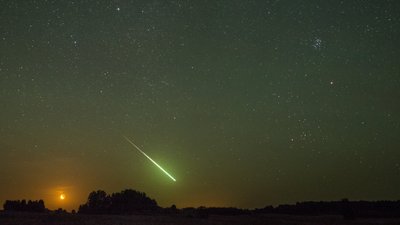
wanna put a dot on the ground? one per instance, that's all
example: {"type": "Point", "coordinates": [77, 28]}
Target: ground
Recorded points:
{"type": "Point", "coordinates": [69, 219]}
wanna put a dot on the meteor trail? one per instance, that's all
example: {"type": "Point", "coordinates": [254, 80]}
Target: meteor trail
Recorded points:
{"type": "Point", "coordinates": [169, 175]}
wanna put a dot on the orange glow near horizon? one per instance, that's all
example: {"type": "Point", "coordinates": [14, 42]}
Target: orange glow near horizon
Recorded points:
{"type": "Point", "coordinates": [64, 196]}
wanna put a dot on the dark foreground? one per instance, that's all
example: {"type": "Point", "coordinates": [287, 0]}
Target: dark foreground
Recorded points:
{"type": "Point", "coordinates": [66, 219]}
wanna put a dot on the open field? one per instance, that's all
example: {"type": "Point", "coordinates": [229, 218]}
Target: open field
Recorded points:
{"type": "Point", "coordinates": [69, 219]}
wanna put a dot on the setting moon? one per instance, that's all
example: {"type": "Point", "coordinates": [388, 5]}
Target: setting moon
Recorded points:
{"type": "Point", "coordinates": [62, 196]}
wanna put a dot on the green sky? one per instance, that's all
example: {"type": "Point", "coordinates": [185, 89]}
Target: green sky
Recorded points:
{"type": "Point", "coordinates": [245, 103]}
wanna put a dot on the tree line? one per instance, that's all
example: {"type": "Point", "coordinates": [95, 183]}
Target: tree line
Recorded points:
{"type": "Point", "coordinates": [134, 202]}
{"type": "Point", "coordinates": [125, 202]}
{"type": "Point", "coordinates": [348, 209]}
{"type": "Point", "coordinates": [24, 206]}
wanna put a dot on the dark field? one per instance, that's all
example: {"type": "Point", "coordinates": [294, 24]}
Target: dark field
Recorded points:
{"type": "Point", "coordinates": [60, 219]}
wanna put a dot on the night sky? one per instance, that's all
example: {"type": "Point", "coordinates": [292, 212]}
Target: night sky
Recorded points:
{"type": "Point", "coordinates": [245, 103]}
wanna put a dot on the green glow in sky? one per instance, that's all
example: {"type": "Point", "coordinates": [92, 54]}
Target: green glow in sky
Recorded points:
{"type": "Point", "coordinates": [134, 145]}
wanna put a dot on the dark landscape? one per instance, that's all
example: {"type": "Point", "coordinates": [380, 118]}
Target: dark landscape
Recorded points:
{"type": "Point", "coordinates": [278, 112]}
{"type": "Point", "coordinates": [39, 219]}
{"type": "Point", "coordinates": [133, 207]}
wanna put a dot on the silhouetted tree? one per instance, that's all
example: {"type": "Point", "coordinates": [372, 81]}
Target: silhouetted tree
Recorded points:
{"type": "Point", "coordinates": [172, 210]}
{"type": "Point", "coordinates": [98, 202]}
{"type": "Point", "coordinates": [60, 211]}
{"type": "Point", "coordinates": [23, 205]}
{"type": "Point", "coordinates": [131, 201]}
{"type": "Point", "coordinates": [30, 206]}
{"type": "Point", "coordinates": [125, 202]}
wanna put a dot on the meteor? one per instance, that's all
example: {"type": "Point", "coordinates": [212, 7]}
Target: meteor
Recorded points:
{"type": "Point", "coordinates": [169, 175]}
